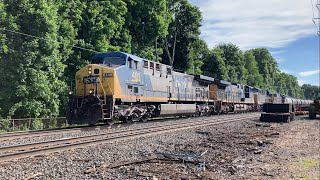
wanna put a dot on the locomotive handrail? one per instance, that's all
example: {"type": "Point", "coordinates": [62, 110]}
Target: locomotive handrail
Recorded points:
{"type": "Point", "coordinates": [104, 92]}
{"type": "Point", "coordinates": [110, 88]}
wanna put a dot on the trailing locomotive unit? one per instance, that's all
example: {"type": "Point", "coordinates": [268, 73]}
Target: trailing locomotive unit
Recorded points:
{"type": "Point", "coordinates": [233, 97]}
{"type": "Point", "coordinates": [120, 86]}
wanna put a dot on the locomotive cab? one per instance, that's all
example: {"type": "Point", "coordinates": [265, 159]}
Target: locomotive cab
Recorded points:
{"type": "Point", "coordinates": [97, 86]}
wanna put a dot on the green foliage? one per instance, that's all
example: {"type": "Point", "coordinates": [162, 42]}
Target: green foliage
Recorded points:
{"type": "Point", "coordinates": [37, 124]}
{"type": "Point", "coordinates": [95, 25]}
{"type": "Point", "coordinates": [234, 62]}
{"type": "Point", "coordinates": [254, 77]}
{"type": "Point", "coordinates": [197, 51]}
{"type": "Point", "coordinates": [4, 125]}
{"type": "Point", "coordinates": [268, 67]}
{"type": "Point", "coordinates": [214, 65]}
{"type": "Point", "coordinates": [147, 21]}
{"type": "Point", "coordinates": [183, 33]}
{"type": "Point", "coordinates": [310, 91]}
{"type": "Point", "coordinates": [32, 68]}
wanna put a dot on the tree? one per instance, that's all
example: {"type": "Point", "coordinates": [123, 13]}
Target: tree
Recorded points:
{"type": "Point", "coordinates": [235, 63]}
{"type": "Point", "coordinates": [214, 65]}
{"type": "Point", "coordinates": [147, 22]}
{"type": "Point", "coordinates": [268, 67]}
{"type": "Point", "coordinates": [254, 78]}
{"type": "Point", "coordinates": [184, 30]}
{"type": "Point", "coordinates": [310, 91]}
{"type": "Point", "coordinates": [32, 82]}
{"type": "Point", "coordinates": [3, 49]}
{"type": "Point", "coordinates": [197, 51]}
{"type": "Point", "coordinates": [96, 26]}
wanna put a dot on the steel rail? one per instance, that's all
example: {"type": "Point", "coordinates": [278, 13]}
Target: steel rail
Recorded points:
{"type": "Point", "coordinates": [36, 133]}
{"type": "Point", "coordinates": [32, 145]}
{"type": "Point", "coordinates": [83, 141]}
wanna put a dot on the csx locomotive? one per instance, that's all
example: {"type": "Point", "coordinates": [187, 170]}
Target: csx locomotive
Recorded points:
{"type": "Point", "coordinates": [117, 86]}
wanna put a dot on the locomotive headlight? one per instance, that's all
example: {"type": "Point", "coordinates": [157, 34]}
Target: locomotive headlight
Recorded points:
{"type": "Point", "coordinates": [91, 91]}
{"type": "Point", "coordinates": [90, 70]}
{"type": "Point", "coordinates": [70, 92]}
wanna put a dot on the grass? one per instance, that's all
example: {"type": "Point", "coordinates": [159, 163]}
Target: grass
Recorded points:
{"type": "Point", "coordinates": [307, 168]}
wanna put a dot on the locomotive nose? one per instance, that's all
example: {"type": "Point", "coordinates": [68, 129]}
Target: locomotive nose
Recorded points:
{"type": "Point", "coordinates": [95, 80]}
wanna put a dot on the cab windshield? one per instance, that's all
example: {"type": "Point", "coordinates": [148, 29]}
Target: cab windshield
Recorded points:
{"type": "Point", "coordinates": [114, 61]}
{"type": "Point", "coordinates": [110, 61]}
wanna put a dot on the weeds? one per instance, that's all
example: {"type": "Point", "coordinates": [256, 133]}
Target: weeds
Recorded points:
{"type": "Point", "coordinates": [4, 125]}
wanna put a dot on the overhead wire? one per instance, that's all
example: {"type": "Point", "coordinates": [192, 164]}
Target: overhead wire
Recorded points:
{"type": "Point", "coordinates": [312, 8]}
{"type": "Point", "coordinates": [313, 16]}
{"type": "Point", "coordinates": [44, 39]}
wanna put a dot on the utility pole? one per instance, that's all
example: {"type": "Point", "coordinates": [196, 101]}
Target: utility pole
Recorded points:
{"type": "Point", "coordinates": [156, 49]}
{"type": "Point", "coordinates": [316, 21]}
{"type": "Point", "coordinates": [318, 8]}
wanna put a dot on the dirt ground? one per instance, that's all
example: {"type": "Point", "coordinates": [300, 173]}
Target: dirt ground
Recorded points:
{"type": "Point", "coordinates": [249, 150]}
{"type": "Point", "coordinates": [237, 150]}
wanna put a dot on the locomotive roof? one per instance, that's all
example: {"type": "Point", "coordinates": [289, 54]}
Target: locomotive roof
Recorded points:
{"type": "Point", "coordinates": [222, 82]}
{"type": "Point", "coordinates": [108, 54]}
{"type": "Point", "coordinates": [203, 78]}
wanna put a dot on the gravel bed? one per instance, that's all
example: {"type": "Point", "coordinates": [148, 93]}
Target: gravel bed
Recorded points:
{"type": "Point", "coordinates": [27, 140]}
{"type": "Point", "coordinates": [232, 151]}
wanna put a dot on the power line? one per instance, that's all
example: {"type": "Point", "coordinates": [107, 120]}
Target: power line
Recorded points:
{"type": "Point", "coordinates": [36, 37]}
{"type": "Point", "coordinates": [312, 9]}
{"type": "Point", "coordinates": [313, 16]}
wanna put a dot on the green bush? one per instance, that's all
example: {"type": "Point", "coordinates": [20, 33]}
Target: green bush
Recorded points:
{"type": "Point", "coordinates": [4, 125]}
{"type": "Point", "coordinates": [22, 127]}
{"type": "Point", "coordinates": [37, 124]}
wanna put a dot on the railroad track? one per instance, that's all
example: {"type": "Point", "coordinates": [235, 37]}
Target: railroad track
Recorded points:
{"type": "Point", "coordinates": [37, 133]}
{"type": "Point", "coordinates": [39, 148]}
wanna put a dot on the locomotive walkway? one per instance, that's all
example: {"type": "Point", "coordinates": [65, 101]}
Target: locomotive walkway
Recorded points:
{"type": "Point", "coordinates": [40, 148]}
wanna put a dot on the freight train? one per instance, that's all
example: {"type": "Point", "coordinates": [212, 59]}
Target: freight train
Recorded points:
{"type": "Point", "coordinates": [118, 86]}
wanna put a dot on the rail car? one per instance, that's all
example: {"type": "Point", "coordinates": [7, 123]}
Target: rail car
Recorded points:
{"type": "Point", "coordinates": [118, 86]}
{"type": "Point", "coordinates": [285, 110]}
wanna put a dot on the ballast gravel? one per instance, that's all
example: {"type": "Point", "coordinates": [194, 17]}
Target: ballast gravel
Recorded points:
{"type": "Point", "coordinates": [238, 150]}
{"type": "Point", "coordinates": [106, 129]}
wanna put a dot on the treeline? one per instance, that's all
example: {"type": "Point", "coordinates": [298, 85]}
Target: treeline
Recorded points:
{"type": "Point", "coordinates": [43, 44]}
{"type": "Point", "coordinates": [311, 91]}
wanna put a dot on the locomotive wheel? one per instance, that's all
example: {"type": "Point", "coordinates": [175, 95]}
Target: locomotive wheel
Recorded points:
{"type": "Point", "coordinates": [145, 118]}
{"type": "Point", "coordinates": [134, 117]}
{"type": "Point", "coordinates": [128, 120]}
{"type": "Point", "coordinates": [110, 121]}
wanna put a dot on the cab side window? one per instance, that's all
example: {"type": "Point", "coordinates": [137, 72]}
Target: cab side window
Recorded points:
{"type": "Point", "coordinates": [132, 64]}
{"type": "Point", "coordinates": [146, 64]}
{"type": "Point", "coordinates": [151, 65]}
{"type": "Point", "coordinates": [168, 70]}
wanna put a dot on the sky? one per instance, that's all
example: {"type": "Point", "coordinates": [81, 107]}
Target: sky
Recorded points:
{"type": "Point", "coordinates": [285, 27]}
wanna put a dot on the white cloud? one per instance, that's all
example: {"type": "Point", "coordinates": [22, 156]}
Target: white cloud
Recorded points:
{"type": "Point", "coordinates": [277, 52]}
{"type": "Point", "coordinates": [301, 82]}
{"type": "Point", "coordinates": [280, 59]}
{"type": "Point", "coordinates": [285, 71]}
{"type": "Point", "coordinates": [255, 23]}
{"type": "Point", "coordinates": [309, 73]}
